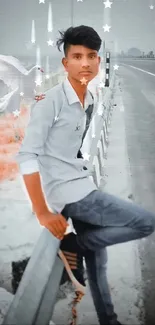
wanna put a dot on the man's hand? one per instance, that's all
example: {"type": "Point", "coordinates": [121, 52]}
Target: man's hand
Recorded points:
{"type": "Point", "coordinates": [55, 223]}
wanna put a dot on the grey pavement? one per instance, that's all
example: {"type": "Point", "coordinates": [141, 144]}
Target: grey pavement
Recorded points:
{"type": "Point", "coordinates": [138, 94]}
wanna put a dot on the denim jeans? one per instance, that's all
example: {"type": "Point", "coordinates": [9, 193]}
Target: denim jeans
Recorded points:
{"type": "Point", "coordinates": [101, 220]}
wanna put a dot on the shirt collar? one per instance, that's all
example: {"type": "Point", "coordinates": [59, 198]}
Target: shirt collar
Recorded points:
{"type": "Point", "coordinates": [72, 96]}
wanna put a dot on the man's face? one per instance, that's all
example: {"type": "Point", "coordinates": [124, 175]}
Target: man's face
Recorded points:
{"type": "Point", "coordinates": [81, 62]}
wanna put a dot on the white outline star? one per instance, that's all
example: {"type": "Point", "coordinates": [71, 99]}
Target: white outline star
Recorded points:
{"type": "Point", "coordinates": [21, 94]}
{"type": "Point", "coordinates": [38, 82]}
{"type": "Point", "coordinates": [16, 113]}
{"type": "Point", "coordinates": [100, 112]}
{"type": "Point", "coordinates": [41, 1]}
{"type": "Point", "coordinates": [86, 156]}
{"type": "Point", "coordinates": [151, 7]}
{"type": "Point", "coordinates": [116, 67]}
{"type": "Point", "coordinates": [108, 4]}
{"type": "Point", "coordinates": [56, 118]}
{"type": "Point", "coordinates": [93, 136]}
{"type": "Point", "coordinates": [106, 28]}
{"type": "Point", "coordinates": [50, 42]}
{"type": "Point", "coordinates": [101, 84]}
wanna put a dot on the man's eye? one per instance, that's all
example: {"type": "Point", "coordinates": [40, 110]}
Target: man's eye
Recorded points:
{"type": "Point", "coordinates": [92, 56]}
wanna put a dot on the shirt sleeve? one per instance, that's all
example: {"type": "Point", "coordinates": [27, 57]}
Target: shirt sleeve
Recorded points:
{"type": "Point", "coordinates": [41, 120]}
{"type": "Point", "coordinates": [29, 167]}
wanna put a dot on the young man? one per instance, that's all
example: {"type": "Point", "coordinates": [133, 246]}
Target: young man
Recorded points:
{"type": "Point", "coordinates": [52, 141]}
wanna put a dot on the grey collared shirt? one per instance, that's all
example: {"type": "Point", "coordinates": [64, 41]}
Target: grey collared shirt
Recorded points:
{"type": "Point", "coordinates": [52, 140]}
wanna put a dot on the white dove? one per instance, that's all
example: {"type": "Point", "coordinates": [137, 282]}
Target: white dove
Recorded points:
{"type": "Point", "coordinates": [18, 79]}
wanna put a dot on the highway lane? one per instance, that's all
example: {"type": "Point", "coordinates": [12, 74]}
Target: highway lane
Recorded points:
{"type": "Point", "coordinates": [144, 64]}
{"type": "Point", "coordinates": [138, 100]}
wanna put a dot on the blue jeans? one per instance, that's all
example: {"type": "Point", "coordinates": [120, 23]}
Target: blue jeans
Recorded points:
{"type": "Point", "coordinates": [101, 220]}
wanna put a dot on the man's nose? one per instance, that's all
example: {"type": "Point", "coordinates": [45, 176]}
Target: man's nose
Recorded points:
{"type": "Point", "coordinates": [85, 63]}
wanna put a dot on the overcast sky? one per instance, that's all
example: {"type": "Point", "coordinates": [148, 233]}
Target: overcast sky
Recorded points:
{"type": "Point", "coordinates": [132, 21]}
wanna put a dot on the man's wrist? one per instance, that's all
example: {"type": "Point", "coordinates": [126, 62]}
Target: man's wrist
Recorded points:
{"type": "Point", "coordinates": [42, 213]}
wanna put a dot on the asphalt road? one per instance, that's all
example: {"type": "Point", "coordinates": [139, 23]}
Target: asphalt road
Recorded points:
{"type": "Point", "coordinates": [138, 95]}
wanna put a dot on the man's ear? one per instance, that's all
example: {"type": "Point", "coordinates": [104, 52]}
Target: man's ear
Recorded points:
{"type": "Point", "coordinates": [64, 62]}
{"type": "Point", "coordinates": [99, 59]}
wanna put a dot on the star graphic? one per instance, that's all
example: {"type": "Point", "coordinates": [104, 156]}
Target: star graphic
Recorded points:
{"type": "Point", "coordinates": [50, 29]}
{"type": "Point", "coordinates": [116, 67]}
{"type": "Point", "coordinates": [151, 7]}
{"type": "Point", "coordinates": [100, 112]}
{"type": "Point", "coordinates": [106, 28]}
{"type": "Point", "coordinates": [93, 136]}
{"type": "Point", "coordinates": [108, 4]}
{"type": "Point", "coordinates": [21, 94]}
{"type": "Point", "coordinates": [56, 118]}
{"type": "Point", "coordinates": [79, 0]}
{"type": "Point", "coordinates": [47, 76]}
{"type": "Point", "coordinates": [38, 82]}
{"type": "Point", "coordinates": [41, 1]}
{"type": "Point", "coordinates": [101, 84]}
{"type": "Point", "coordinates": [16, 113]}
{"type": "Point", "coordinates": [83, 81]}
{"type": "Point", "coordinates": [50, 42]}
{"type": "Point", "coordinates": [86, 156]}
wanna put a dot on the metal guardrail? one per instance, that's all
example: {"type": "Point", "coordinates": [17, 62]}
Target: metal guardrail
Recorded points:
{"type": "Point", "coordinates": [35, 298]}
{"type": "Point", "coordinates": [96, 140]}
{"type": "Point", "coordinates": [53, 80]}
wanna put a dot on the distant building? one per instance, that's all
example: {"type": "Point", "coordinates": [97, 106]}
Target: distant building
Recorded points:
{"type": "Point", "coordinates": [134, 52]}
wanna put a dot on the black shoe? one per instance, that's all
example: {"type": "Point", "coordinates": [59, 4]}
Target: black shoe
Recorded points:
{"type": "Point", "coordinates": [18, 269]}
{"type": "Point", "coordinates": [74, 256]}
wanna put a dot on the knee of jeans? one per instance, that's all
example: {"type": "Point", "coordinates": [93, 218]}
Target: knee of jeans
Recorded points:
{"type": "Point", "coordinates": [102, 259]}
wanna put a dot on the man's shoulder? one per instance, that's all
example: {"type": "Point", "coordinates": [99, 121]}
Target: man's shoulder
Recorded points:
{"type": "Point", "coordinates": [55, 92]}
{"type": "Point", "coordinates": [50, 101]}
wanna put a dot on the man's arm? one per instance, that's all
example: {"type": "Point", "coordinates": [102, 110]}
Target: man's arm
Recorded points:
{"type": "Point", "coordinates": [34, 189]}
{"type": "Point", "coordinates": [41, 121]}
{"type": "Point", "coordinates": [42, 118]}
{"type": "Point", "coordinates": [31, 177]}
{"type": "Point", "coordinates": [55, 223]}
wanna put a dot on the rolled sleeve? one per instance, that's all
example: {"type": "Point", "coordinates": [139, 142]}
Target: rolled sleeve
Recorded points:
{"type": "Point", "coordinates": [41, 120]}
{"type": "Point", "coordinates": [29, 167]}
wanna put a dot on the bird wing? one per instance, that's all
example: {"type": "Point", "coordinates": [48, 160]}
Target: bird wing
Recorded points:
{"type": "Point", "coordinates": [7, 99]}
{"type": "Point", "coordinates": [11, 71]}
{"type": "Point", "coordinates": [14, 75]}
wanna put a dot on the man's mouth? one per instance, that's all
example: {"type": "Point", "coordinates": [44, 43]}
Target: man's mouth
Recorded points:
{"type": "Point", "coordinates": [85, 72]}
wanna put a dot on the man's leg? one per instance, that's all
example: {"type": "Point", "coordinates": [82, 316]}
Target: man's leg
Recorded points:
{"type": "Point", "coordinates": [107, 220]}
{"type": "Point", "coordinates": [96, 264]}
{"type": "Point", "coordinates": [117, 220]}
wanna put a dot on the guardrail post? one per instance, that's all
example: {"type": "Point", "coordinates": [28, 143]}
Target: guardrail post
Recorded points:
{"type": "Point", "coordinates": [107, 74]}
{"type": "Point", "coordinates": [100, 157]}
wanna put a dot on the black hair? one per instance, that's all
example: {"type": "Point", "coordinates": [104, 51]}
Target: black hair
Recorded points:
{"type": "Point", "coordinates": [80, 35]}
